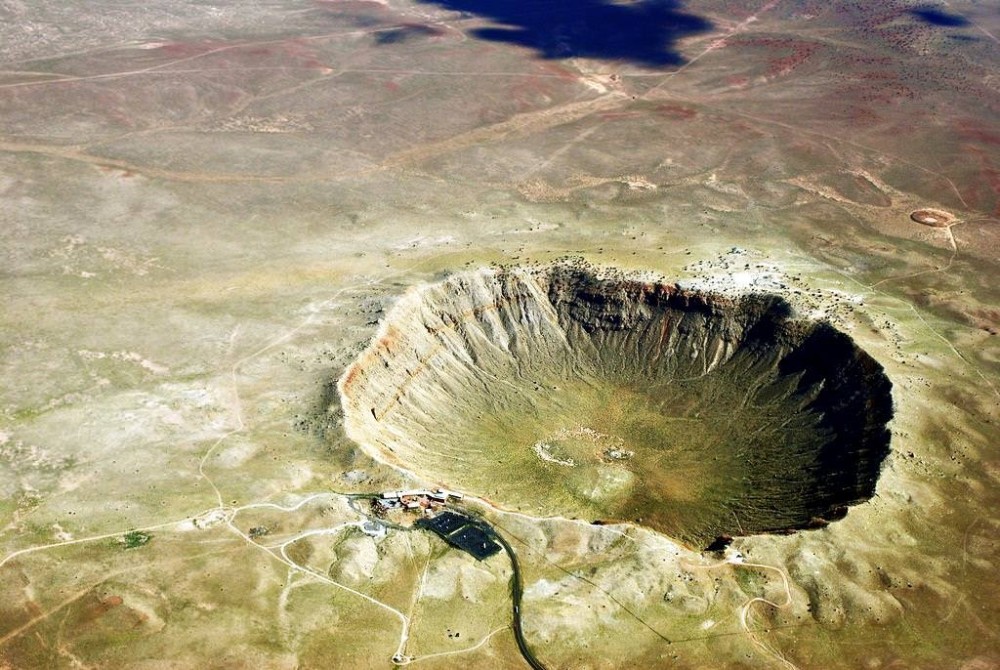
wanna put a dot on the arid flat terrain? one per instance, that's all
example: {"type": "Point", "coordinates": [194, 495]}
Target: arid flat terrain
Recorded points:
{"type": "Point", "coordinates": [211, 212]}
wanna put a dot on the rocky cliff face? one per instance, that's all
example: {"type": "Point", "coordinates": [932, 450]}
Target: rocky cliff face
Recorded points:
{"type": "Point", "coordinates": [561, 391]}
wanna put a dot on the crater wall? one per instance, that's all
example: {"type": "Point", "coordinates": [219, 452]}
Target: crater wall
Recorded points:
{"type": "Point", "coordinates": [561, 391]}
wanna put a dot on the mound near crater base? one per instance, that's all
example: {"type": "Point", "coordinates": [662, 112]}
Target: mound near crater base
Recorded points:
{"type": "Point", "coordinates": [562, 391]}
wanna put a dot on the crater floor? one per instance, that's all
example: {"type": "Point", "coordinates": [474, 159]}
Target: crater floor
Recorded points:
{"type": "Point", "coordinates": [565, 392]}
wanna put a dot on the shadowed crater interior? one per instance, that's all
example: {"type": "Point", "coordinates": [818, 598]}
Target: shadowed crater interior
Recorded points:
{"type": "Point", "coordinates": [564, 391]}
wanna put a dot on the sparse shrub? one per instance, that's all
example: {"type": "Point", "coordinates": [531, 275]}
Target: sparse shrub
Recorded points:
{"type": "Point", "coordinates": [134, 539]}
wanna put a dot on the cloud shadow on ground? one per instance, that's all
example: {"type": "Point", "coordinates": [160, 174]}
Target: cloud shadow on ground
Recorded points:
{"type": "Point", "coordinates": [643, 32]}
{"type": "Point", "coordinates": [936, 17]}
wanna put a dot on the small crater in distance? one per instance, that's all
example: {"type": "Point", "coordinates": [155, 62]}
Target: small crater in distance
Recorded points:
{"type": "Point", "coordinates": [935, 218]}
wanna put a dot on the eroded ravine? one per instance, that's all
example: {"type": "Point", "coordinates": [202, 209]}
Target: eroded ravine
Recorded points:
{"type": "Point", "coordinates": [561, 391]}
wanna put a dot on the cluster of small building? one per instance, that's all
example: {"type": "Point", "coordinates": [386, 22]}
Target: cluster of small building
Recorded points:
{"type": "Point", "coordinates": [414, 500]}
{"type": "Point", "coordinates": [471, 535]}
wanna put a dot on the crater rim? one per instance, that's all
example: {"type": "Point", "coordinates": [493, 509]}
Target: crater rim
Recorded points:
{"type": "Point", "coordinates": [424, 312]}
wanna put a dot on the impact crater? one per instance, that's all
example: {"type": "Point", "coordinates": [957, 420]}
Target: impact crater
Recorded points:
{"type": "Point", "coordinates": [935, 218]}
{"type": "Point", "coordinates": [562, 390]}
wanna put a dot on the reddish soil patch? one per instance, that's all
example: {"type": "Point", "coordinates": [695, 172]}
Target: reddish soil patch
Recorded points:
{"type": "Point", "coordinates": [790, 53]}
{"type": "Point", "coordinates": [678, 112]}
{"type": "Point", "coordinates": [100, 608]}
{"type": "Point", "coordinates": [985, 319]}
{"type": "Point", "coordinates": [612, 116]}
{"type": "Point", "coordinates": [934, 218]}
{"type": "Point", "coordinates": [984, 191]}
{"type": "Point", "coordinates": [563, 72]}
{"type": "Point", "coordinates": [976, 134]}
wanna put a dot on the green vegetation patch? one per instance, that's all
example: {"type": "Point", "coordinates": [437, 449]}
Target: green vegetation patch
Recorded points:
{"type": "Point", "coordinates": [134, 539]}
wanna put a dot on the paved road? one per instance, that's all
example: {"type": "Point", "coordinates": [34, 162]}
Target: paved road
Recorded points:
{"type": "Point", "coordinates": [516, 591]}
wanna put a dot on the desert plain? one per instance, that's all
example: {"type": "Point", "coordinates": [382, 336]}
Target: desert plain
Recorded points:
{"type": "Point", "coordinates": [213, 214]}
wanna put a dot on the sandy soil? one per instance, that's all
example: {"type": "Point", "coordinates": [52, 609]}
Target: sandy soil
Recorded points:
{"type": "Point", "coordinates": [207, 210]}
